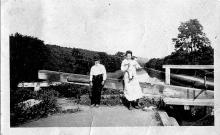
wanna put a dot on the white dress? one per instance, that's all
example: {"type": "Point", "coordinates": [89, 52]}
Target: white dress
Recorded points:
{"type": "Point", "coordinates": [132, 89]}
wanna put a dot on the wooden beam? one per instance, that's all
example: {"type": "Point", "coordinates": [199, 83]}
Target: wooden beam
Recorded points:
{"type": "Point", "coordinates": [189, 66]}
{"type": "Point", "coordinates": [190, 102]}
{"type": "Point", "coordinates": [180, 87]}
{"type": "Point", "coordinates": [167, 78]}
{"type": "Point", "coordinates": [114, 83]}
{"type": "Point", "coordinates": [165, 119]}
{"type": "Point", "coordinates": [173, 122]}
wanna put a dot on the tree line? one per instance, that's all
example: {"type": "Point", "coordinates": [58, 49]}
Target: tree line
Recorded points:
{"type": "Point", "coordinates": [29, 54]}
{"type": "Point", "coordinates": [192, 47]}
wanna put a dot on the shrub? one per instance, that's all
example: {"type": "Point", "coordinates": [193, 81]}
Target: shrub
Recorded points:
{"type": "Point", "coordinates": [21, 94]}
{"type": "Point", "coordinates": [45, 107]}
{"type": "Point", "coordinates": [108, 91]}
{"type": "Point", "coordinates": [70, 90]}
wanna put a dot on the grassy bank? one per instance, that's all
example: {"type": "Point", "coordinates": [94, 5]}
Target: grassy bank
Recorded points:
{"type": "Point", "coordinates": [77, 94]}
{"type": "Point", "coordinates": [19, 113]}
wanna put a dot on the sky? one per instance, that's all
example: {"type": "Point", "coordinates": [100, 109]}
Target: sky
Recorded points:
{"type": "Point", "coordinates": [144, 26]}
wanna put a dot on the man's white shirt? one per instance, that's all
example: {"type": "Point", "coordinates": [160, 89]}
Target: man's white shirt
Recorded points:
{"type": "Point", "coordinates": [97, 70]}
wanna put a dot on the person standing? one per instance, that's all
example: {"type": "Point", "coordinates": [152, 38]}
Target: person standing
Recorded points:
{"type": "Point", "coordinates": [97, 80]}
{"type": "Point", "coordinates": [132, 89]}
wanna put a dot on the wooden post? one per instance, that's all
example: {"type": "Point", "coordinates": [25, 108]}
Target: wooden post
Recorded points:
{"type": "Point", "coordinates": [205, 81]}
{"type": "Point", "coordinates": [186, 107]}
{"type": "Point", "coordinates": [36, 86]}
{"type": "Point", "coordinates": [187, 92]}
{"type": "Point", "coordinates": [194, 94]}
{"type": "Point", "coordinates": [167, 78]}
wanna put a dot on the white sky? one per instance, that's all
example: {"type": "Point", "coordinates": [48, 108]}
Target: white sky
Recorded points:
{"type": "Point", "coordinates": [144, 26]}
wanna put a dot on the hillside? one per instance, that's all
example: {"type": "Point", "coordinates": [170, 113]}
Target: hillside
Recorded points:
{"type": "Point", "coordinates": [29, 54]}
{"type": "Point", "coordinates": [142, 61]}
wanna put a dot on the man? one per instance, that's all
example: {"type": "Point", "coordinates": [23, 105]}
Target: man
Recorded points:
{"type": "Point", "coordinates": [97, 81]}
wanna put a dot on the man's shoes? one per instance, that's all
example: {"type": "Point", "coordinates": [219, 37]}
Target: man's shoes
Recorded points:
{"type": "Point", "coordinates": [137, 107]}
{"type": "Point", "coordinates": [92, 105]}
{"type": "Point", "coordinates": [130, 108]}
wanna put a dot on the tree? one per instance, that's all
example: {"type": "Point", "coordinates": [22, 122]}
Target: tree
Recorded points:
{"type": "Point", "coordinates": [192, 47]}
{"type": "Point", "coordinates": [191, 40]}
{"type": "Point", "coordinates": [27, 56]}
{"type": "Point", "coordinates": [191, 37]}
{"type": "Point", "coordinates": [121, 55]}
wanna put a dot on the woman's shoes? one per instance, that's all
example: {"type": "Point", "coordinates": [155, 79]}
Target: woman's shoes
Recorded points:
{"type": "Point", "coordinates": [94, 105]}
{"type": "Point", "coordinates": [130, 108]}
{"type": "Point", "coordinates": [136, 105]}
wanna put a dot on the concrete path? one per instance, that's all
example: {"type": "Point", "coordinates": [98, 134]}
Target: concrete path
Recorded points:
{"type": "Point", "coordinates": [103, 116]}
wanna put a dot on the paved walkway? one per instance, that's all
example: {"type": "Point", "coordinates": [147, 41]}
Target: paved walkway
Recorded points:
{"type": "Point", "coordinates": [103, 116]}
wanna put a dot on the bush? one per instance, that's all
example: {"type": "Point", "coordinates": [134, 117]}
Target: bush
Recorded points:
{"type": "Point", "coordinates": [45, 107]}
{"type": "Point", "coordinates": [48, 98]}
{"type": "Point", "coordinates": [69, 90]}
{"type": "Point", "coordinates": [108, 91]}
{"type": "Point", "coordinates": [20, 95]}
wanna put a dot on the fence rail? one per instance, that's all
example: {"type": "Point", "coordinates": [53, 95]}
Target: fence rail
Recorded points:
{"type": "Point", "coordinates": [168, 67]}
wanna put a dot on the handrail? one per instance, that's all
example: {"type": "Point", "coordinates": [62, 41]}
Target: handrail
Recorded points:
{"type": "Point", "coordinates": [189, 66]}
{"type": "Point", "coordinates": [168, 67]}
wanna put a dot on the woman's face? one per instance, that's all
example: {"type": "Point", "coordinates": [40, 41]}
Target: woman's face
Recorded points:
{"type": "Point", "coordinates": [128, 56]}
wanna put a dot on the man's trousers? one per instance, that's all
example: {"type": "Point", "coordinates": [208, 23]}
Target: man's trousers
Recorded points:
{"type": "Point", "coordinates": [96, 89]}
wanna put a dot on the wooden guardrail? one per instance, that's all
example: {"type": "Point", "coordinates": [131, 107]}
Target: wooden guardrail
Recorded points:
{"type": "Point", "coordinates": [180, 95]}
{"type": "Point", "coordinates": [168, 67]}
{"type": "Point", "coordinates": [173, 95]}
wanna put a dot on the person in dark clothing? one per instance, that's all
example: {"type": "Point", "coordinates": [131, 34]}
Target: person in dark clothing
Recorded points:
{"type": "Point", "coordinates": [97, 80]}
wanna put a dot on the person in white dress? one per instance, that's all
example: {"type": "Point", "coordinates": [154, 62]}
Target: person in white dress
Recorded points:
{"type": "Point", "coordinates": [132, 89]}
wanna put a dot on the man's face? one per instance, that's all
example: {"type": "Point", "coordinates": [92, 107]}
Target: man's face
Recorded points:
{"type": "Point", "coordinates": [97, 62]}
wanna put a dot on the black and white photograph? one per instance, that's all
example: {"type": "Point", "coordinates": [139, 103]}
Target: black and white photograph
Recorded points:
{"type": "Point", "coordinates": [109, 64]}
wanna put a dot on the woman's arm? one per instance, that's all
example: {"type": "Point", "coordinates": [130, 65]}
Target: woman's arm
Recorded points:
{"type": "Point", "coordinates": [137, 65]}
{"type": "Point", "coordinates": [124, 66]}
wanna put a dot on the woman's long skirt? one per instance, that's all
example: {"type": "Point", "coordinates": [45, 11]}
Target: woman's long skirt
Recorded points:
{"type": "Point", "coordinates": [132, 89]}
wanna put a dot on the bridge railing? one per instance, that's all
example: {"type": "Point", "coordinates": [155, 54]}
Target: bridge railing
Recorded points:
{"type": "Point", "coordinates": [168, 67]}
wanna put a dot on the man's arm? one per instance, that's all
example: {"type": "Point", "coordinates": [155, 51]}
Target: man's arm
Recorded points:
{"type": "Point", "coordinates": [104, 75]}
{"type": "Point", "coordinates": [90, 76]}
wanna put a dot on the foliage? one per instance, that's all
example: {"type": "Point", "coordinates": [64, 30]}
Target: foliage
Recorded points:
{"type": "Point", "coordinates": [69, 90]}
{"type": "Point", "coordinates": [20, 95]}
{"type": "Point", "coordinates": [192, 47]}
{"type": "Point", "coordinates": [85, 60]}
{"type": "Point", "coordinates": [48, 97]}
{"type": "Point", "coordinates": [48, 105]}
{"type": "Point", "coordinates": [60, 59]}
{"type": "Point", "coordinates": [27, 55]}
{"type": "Point", "coordinates": [191, 38]}
{"type": "Point", "coordinates": [108, 91]}
{"type": "Point", "coordinates": [121, 55]}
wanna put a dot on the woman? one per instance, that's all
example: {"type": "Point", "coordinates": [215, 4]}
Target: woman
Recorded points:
{"type": "Point", "coordinates": [132, 89]}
